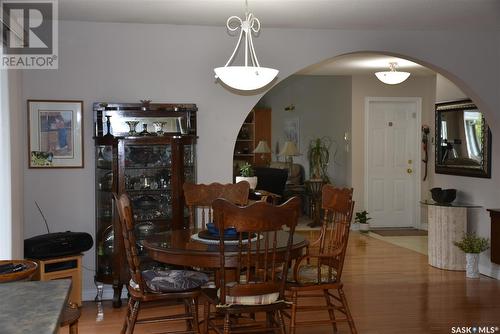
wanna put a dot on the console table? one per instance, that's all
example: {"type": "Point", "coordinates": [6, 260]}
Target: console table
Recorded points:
{"type": "Point", "coordinates": [495, 235]}
{"type": "Point", "coordinates": [446, 224]}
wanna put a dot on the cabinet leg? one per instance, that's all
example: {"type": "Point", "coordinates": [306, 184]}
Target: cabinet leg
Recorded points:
{"type": "Point", "coordinates": [117, 295]}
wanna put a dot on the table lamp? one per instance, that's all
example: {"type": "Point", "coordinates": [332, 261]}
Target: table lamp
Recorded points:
{"type": "Point", "coordinates": [289, 151]}
{"type": "Point", "coordinates": [263, 149]}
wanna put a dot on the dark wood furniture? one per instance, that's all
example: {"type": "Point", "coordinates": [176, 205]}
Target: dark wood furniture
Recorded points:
{"type": "Point", "coordinates": [141, 294]}
{"type": "Point", "coordinates": [256, 127]}
{"type": "Point", "coordinates": [150, 166]}
{"type": "Point", "coordinates": [201, 196]}
{"type": "Point", "coordinates": [178, 248]}
{"type": "Point", "coordinates": [18, 275]}
{"type": "Point", "coordinates": [69, 317]}
{"type": "Point", "coordinates": [318, 274]}
{"type": "Point", "coordinates": [255, 285]}
{"type": "Point", "coordinates": [495, 235]}
{"type": "Point", "coordinates": [313, 191]}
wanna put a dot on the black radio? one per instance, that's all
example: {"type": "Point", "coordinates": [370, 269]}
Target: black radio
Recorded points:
{"type": "Point", "coordinates": [57, 244]}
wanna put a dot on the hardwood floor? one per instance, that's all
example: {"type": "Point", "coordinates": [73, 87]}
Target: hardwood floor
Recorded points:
{"type": "Point", "coordinates": [390, 290]}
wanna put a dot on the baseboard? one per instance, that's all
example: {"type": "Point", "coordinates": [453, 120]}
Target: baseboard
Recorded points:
{"type": "Point", "coordinates": [492, 271]}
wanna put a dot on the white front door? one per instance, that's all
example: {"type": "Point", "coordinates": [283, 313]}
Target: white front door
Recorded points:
{"type": "Point", "coordinates": [392, 161]}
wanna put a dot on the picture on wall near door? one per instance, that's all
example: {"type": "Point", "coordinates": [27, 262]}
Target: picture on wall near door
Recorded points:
{"type": "Point", "coordinates": [291, 129]}
{"type": "Point", "coordinates": [55, 134]}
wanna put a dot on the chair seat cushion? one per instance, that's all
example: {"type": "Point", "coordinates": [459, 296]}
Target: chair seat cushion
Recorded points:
{"type": "Point", "coordinates": [264, 299]}
{"type": "Point", "coordinates": [253, 300]}
{"type": "Point", "coordinates": [172, 280]}
{"type": "Point", "coordinates": [308, 274]}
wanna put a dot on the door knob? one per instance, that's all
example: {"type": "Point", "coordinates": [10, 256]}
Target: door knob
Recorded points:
{"type": "Point", "coordinates": [409, 170]}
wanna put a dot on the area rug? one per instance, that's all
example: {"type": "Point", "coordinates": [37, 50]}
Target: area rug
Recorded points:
{"type": "Point", "coordinates": [400, 232]}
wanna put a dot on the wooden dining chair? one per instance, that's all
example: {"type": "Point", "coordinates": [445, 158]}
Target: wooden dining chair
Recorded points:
{"type": "Point", "coordinates": [250, 281]}
{"type": "Point", "coordinates": [155, 285]}
{"type": "Point", "coordinates": [318, 273]}
{"type": "Point", "coordinates": [201, 196]}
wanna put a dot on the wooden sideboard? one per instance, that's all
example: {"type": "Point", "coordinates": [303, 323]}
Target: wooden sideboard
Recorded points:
{"type": "Point", "coordinates": [495, 235]}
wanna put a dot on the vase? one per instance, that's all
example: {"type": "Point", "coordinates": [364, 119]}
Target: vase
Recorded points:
{"type": "Point", "coordinates": [144, 131]}
{"type": "Point", "coordinates": [132, 125]}
{"type": "Point", "coordinates": [472, 265]}
{"type": "Point", "coordinates": [159, 127]}
{"type": "Point", "coordinates": [364, 228]}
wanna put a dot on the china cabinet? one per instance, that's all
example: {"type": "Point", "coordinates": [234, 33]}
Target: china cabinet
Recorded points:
{"type": "Point", "coordinates": [148, 151]}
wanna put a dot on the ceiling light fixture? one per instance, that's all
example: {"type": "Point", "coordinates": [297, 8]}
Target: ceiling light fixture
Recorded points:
{"type": "Point", "coordinates": [245, 77]}
{"type": "Point", "coordinates": [392, 77]}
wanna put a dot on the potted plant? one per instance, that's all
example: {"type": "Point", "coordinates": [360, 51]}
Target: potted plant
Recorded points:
{"type": "Point", "coordinates": [362, 218]}
{"type": "Point", "coordinates": [246, 172]}
{"type": "Point", "coordinates": [318, 155]}
{"type": "Point", "coordinates": [472, 245]}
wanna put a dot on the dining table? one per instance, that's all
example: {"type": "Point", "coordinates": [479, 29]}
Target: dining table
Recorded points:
{"type": "Point", "coordinates": [185, 248]}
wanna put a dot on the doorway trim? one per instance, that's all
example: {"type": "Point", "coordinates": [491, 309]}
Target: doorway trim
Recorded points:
{"type": "Point", "coordinates": [417, 222]}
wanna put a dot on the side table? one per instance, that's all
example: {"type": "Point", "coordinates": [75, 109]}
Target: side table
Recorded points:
{"type": "Point", "coordinates": [313, 189]}
{"type": "Point", "coordinates": [63, 267]}
{"type": "Point", "coordinates": [447, 223]}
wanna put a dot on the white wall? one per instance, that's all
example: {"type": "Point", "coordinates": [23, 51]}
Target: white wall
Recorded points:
{"type": "Point", "coordinates": [128, 62]}
{"type": "Point", "coordinates": [447, 90]}
{"type": "Point", "coordinates": [5, 182]}
{"type": "Point", "coordinates": [17, 155]}
{"type": "Point", "coordinates": [11, 172]}
{"type": "Point", "coordinates": [483, 192]}
{"type": "Point", "coordinates": [323, 108]}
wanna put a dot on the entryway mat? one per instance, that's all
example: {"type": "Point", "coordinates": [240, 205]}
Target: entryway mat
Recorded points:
{"type": "Point", "coordinates": [400, 232]}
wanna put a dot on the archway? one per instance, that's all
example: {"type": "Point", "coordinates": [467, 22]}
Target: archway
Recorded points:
{"type": "Point", "coordinates": [354, 133]}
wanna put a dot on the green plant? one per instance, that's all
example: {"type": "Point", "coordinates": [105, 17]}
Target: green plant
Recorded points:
{"type": "Point", "coordinates": [246, 170]}
{"type": "Point", "coordinates": [471, 243]}
{"type": "Point", "coordinates": [318, 155]}
{"type": "Point", "coordinates": [362, 217]}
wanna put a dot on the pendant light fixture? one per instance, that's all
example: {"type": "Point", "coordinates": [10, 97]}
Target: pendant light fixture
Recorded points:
{"type": "Point", "coordinates": [245, 77]}
{"type": "Point", "coordinates": [392, 77]}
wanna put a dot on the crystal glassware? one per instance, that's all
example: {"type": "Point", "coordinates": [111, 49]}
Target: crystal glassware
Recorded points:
{"type": "Point", "coordinates": [108, 126]}
{"type": "Point", "coordinates": [132, 125]}
{"type": "Point", "coordinates": [144, 131]}
{"type": "Point", "coordinates": [159, 127]}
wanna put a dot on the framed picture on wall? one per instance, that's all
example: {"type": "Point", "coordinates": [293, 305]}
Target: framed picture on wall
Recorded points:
{"type": "Point", "coordinates": [55, 134]}
{"type": "Point", "coordinates": [292, 130]}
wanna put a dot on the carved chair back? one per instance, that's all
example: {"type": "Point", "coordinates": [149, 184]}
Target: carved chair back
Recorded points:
{"type": "Point", "coordinates": [338, 207]}
{"type": "Point", "coordinates": [260, 260]}
{"type": "Point", "coordinates": [127, 224]}
{"type": "Point", "coordinates": [201, 196]}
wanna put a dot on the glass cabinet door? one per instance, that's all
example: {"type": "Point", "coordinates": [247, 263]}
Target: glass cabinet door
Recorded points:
{"type": "Point", "coordinates": [148, 181]}
{"type": "Point", "coordinates": [189, 163]}
{"type": "Point", "coordinates": [104, 209]}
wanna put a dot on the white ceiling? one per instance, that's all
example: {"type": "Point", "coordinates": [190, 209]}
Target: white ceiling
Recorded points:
{"type": "Point", "coordinates": [364, 64]}
{"type": "Point", "coordinates": [324, 14]}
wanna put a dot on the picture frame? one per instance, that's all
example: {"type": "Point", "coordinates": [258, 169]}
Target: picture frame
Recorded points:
{"type": "Point", "coordinates": [292, 130]}
{"type": "Point", "coordinates": [55, 134]}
